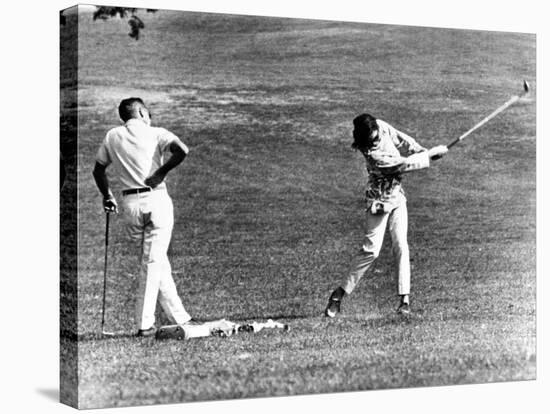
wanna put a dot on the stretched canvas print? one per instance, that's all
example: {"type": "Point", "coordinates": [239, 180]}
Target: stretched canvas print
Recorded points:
{"type": "Point", "coordinates": [257, 206]}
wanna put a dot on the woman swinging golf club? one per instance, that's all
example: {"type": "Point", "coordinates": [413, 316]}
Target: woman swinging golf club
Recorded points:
{"type": "Point", "coordinates": [380, 144]}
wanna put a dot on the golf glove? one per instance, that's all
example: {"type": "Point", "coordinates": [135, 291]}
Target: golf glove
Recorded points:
{"type": "Point", "coordinates": [437, 152]}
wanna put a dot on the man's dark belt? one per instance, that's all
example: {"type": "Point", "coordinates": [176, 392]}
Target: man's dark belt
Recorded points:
{"type": "Point", "coordinates": [136, 191]}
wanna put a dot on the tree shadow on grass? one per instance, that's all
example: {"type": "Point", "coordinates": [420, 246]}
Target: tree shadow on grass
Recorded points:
{"type": "Point", "coordinates": [377, 321]}
{"type": "Point", "coordinates": [98, 336]}
{"type": "Point", "coordinates": [392, 319]}
{"type": "Point", "coordinates": [242, 318]}
{"type": "Point", "coordinates": [94, 336]}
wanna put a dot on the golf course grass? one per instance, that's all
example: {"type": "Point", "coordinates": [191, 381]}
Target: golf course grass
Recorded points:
{"type": "Point", "coordinates": [269, 207]}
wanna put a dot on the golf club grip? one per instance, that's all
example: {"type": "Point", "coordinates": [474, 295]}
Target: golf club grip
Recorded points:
{"type": "Point", "coordinates": [456, 141]}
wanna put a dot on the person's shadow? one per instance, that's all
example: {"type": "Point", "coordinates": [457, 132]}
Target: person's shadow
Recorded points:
{"type": "Point", "coordinates": [49, 393]}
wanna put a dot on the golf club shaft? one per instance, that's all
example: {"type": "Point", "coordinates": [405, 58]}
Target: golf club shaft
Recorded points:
{"type": "Point", "coordinates": [105, 270]}
{"type": "Point", "coordinates": [497, 111]}
{"type": "Point", "coordinates": [485, 120]}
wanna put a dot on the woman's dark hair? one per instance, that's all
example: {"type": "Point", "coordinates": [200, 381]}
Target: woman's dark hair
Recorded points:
{"type": "Point", "coordinates": [363, 126]}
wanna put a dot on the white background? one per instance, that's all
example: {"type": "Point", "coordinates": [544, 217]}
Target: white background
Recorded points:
{"type": "Point", "coordinates": [29, 281]}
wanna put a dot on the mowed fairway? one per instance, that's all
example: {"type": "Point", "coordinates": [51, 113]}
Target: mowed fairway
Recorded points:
{"type": "Point", "coordinates": [269, 206]}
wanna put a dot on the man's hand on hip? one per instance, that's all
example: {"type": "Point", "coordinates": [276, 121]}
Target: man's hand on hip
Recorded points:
{"type": "Point", "coordinates": [178, 154]}
{"type": "Point", "coordinates": [154, 180]}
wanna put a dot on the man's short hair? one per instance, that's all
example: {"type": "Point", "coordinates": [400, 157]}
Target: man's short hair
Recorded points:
{"type": "Point", "coordinates": [128, 108]}
{"type": "Point", "coordinates": [363, 126]}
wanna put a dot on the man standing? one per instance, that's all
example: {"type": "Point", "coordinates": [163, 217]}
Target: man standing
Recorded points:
{"type": "Point", "coordinates": [136, 151]}
{"type": "Point", "coordinates": [380, 144]}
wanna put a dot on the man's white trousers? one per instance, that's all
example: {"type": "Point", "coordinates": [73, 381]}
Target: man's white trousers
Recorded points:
{"type": "Point", "coordinates": [149, 220]}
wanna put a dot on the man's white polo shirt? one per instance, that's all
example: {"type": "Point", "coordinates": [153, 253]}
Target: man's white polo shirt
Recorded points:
{"type": "Point", "coordinates": [136, 151]}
